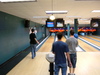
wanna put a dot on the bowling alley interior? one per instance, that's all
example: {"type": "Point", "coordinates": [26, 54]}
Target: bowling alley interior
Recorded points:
{"type": "Point", "coordinates": [47, 18]}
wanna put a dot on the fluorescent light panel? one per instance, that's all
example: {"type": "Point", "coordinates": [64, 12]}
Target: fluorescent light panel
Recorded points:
{"type": "Point", "coordinates": [87, 0]}
{"type": "Point", "coordinates": [16, 0]}
{"type": "Point", "coordinates": [40, 17]}
{"type": "Point", "coordinates": [73, 16]}
{"type": "Point", "coordinates": [56, 12]}
{"type": "Point", "coordinates": [96, 11]}
{"type": "Point", "coordinates": [84, 19]}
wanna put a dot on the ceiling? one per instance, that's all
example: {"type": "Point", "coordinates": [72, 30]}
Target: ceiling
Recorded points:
{"type": "Point", "coordinates": [79, 8]}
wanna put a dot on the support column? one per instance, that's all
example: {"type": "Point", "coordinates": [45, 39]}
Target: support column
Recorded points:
{"type": "Point", "coordinates": [51, 69]}
{"type": "Point", "coordinates": [68, 28]}
{"type": "Point", "coordinates": [76, 26]}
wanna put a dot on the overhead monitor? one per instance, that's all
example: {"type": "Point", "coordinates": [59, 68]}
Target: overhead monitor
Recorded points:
{"type": "Point", "coordinates": [95, 23]}
{"type": "Point", "coordinates": [49, 24]}
{"type": "Point", "coordinates": [59, 24]}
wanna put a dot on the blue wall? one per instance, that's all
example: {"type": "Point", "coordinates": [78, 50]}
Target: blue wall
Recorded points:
{"type": "Point", "coordinates": [14, 37]}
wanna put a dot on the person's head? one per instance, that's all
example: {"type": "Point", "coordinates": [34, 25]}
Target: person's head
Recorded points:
{"type": "Point", "coordinates": [71, 32]}
{"type": "Point", "coordinates": [32, 30]}
{"type": "Point", "coordinates": [59, 35]}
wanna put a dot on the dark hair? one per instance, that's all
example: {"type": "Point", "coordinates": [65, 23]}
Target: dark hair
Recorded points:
{"type": "Point", "coordinates": [71, 32]}
{"type": "Point", "coordinates": [32, 30]}
{"type": "Point", "coordinates": [59, 35]}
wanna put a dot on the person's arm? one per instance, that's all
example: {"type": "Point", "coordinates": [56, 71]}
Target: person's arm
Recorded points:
{"type": "Point", "coordinates": [77, 43]}
{"type": "Point", "coordinates": [36, 40]}
{"type": "Point", "coordinates": [68, 58]}
{"type": "Point", "coordinates": [30, 30]}
{"type": "Point", "coordinates": [53, 52]}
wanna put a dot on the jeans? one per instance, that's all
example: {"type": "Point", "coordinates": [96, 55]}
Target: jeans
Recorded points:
{"type": "Point", "coordinates": [63, 68]}
{"type": "Point", "coordinates": [33, 50]}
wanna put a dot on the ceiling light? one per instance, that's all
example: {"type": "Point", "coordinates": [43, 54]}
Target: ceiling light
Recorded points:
{"type": "Point", "coordinates": [52, 17]}
{"type": "Point", "coordinates": [96, 11]}
{"type": "Point", "coordinates": [56, 12]}
{"type": "Point", "coordinates": [16, 0]}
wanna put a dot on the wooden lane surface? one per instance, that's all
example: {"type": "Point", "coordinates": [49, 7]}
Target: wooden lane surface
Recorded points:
{"type": "Point", "coordinates": [96, 35]}
{"type": "Point", "coordinates": [63, 39]}
{"type": "Point", "coordinates": [88, 63]}
{"type": "Point", "coordinates": [46, 47]}
{"type": "Point", "coordinates": [37, 66]}
{"type": "Point", "coordinates": [94, 38]}
{"type": "Point", "coordinates": [87, 47]}
{"type": "Point", "coordinates": [90, 40]}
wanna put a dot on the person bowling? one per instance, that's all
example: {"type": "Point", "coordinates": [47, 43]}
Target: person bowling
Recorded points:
{"type": "Point", "coordinates": [33, 42]}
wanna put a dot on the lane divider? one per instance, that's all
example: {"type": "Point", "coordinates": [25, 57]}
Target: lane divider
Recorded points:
{"type": "Point", "coordinates": [93, 45]}
{"type": "Point", "coordinates": [56, 38]}
{"type": "Point", "coordinates": [92, 39]}
{"type": "Point", "coordinates": [96, 37]}
{"type": "Point", "coordinates": [42, 42]}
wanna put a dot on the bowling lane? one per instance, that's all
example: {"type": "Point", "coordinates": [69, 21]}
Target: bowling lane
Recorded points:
{"type": "Point", "coordinates": [94, 38]}
{"type": "Point", "coordinates": [46, 47]}
{"type": "Point", "coordinates": [90, 40]}
{"type": "Point", "coordinates": [64, 39]}
{"type": "Point", "coordinates": [87, 47]}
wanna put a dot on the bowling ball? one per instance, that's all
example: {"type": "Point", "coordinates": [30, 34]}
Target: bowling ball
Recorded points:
{"type": "Point", "coordinates": [76, 35]}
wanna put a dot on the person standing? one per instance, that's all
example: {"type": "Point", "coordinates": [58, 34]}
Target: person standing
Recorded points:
{"type": "Point", "coordinates": [33, 42]}
{"type": "Point", "coordinates": [72, 44]}
{"type": "Point", "coordinates": [60, 49]}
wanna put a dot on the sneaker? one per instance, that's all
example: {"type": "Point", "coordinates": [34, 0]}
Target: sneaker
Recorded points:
{"type": "Point", "coordinates": [32, 57]}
